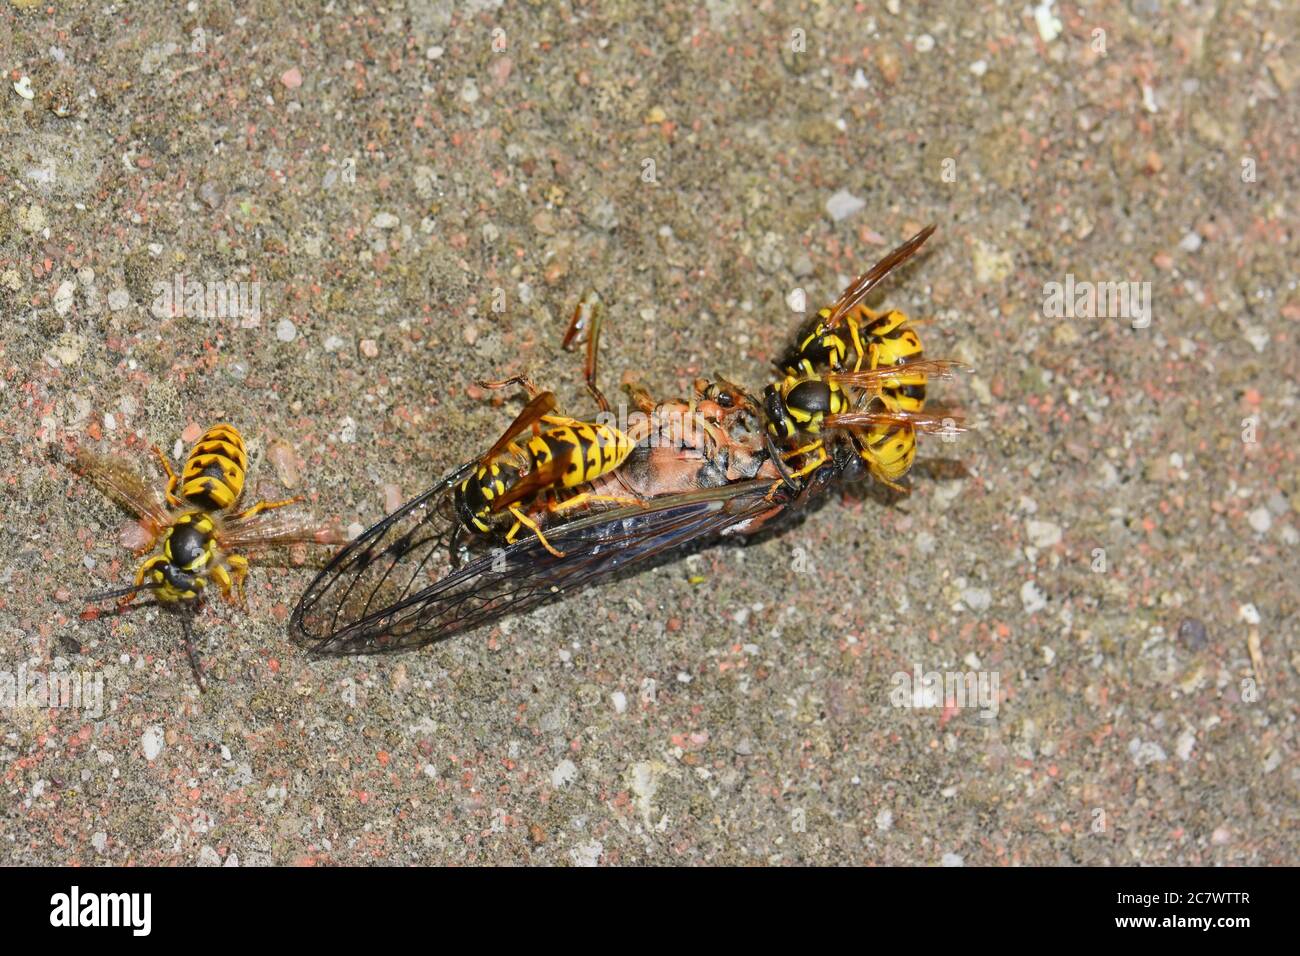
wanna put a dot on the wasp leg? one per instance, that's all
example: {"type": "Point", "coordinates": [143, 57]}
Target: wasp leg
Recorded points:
{"type": "Point", "coordinates": [523, 381]}
{"type": "Point", "coordinates": [788, 477]}
{"type": "Point", "coordinates": [814, 462]}
{"type": "Point", "coordinates": [265, 506]}
{"type": "Point", "coordinates": [522, 520]}
{"type": "Point", "coordinates": [809, 468]}
{"type": "Point", "coordinates": [803, 449]}
{"type": "Point", "coordinates": [172, 478]}
{"type": "Point", "coordinates": [855, 333]}
{"type": "Point", "coordinates": [222, 577]}
{"type": "Point", "coordinates": [890, 483]}
{"type": "Point", "coordinates": [238, 571]}
{"type": "Point", "coordinates": [588, 496]}
{"type": "Point", "coordinates": [192, 652]}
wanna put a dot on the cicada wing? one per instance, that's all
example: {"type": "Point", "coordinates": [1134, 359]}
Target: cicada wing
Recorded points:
{"type": "Point", "coordinates": [519, 577]}
{"type": "Point", "coordinates": [403, 553]}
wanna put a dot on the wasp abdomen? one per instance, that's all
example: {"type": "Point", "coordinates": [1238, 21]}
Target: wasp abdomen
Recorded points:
{"type": "Point", "coordinates": [213, 477]}
{"type": "Point", "coordinates": [593, 450]}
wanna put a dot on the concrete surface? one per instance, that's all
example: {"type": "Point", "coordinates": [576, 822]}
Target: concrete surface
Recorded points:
{"type": "Point", "coordinates": [1115, 541]}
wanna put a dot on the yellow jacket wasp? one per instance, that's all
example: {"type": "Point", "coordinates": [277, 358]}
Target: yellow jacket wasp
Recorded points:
{"type": "Point", "coordinates": [191, 527]}
{"type": "Point", "coordinates": [825, 386]}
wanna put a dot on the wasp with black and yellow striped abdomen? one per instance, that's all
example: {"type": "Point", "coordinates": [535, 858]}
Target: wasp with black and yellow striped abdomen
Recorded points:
{"type": "Point", "coordinates": [560, 458]}
{"type": "Point", "coordinates": [847, 334]}
{"type": "Point", "coordinates": [801, 407]}
{"type": "Point", "coordinates": [882, 404]}
{"type": "Point", "coordinates": [195, 535]}
{"type": "Point", "coordinates": [553, 465]}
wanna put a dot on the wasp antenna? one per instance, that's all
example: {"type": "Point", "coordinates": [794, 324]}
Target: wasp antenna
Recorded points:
{"type": "Point", "coordinates": [121, 592]}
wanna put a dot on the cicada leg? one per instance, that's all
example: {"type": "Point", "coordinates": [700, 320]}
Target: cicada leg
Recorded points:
{"type": "Point", "coordinates": [638, 394]}
{"type": "Point", "coordinates": [521, 380]}
{"type": "Point", "coordinates": [586, 321]}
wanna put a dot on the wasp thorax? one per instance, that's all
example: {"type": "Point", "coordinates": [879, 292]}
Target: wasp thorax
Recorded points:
{"type": "Point", "coordinates": [189, 546]}
{"type": "Point", "coordinates": [812, 396]}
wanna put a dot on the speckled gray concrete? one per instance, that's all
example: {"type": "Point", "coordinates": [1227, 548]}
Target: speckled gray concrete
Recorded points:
{"type": "Point", "coordinates": [381, 170]}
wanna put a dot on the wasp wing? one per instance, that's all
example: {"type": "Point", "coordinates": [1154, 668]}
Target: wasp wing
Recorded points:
{"type": "Point", "coordinates": [933, 422]}
{"type": "Point", "coordinates": [276, 529]}
{"type": "Point", "coordinates": [524, 575]}
{"type": "Point", "coordinates": [541, 404]}
{"type": "Point", "coordinates": [542, 477]}
{"type": "Point", "coordinates": [861, 287]}
{"type": "Point", "coordinates": [119, 480]}
{"type": "Point", "coordinates": [875, 378]}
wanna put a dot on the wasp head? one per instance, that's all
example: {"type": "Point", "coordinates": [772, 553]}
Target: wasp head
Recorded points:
{"type": "Point", "coordinates": [779, 424]}
{"type": "Point", "coordinates": [475, 495]}
{"type": "Point", "coordinates": [179, 570]}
